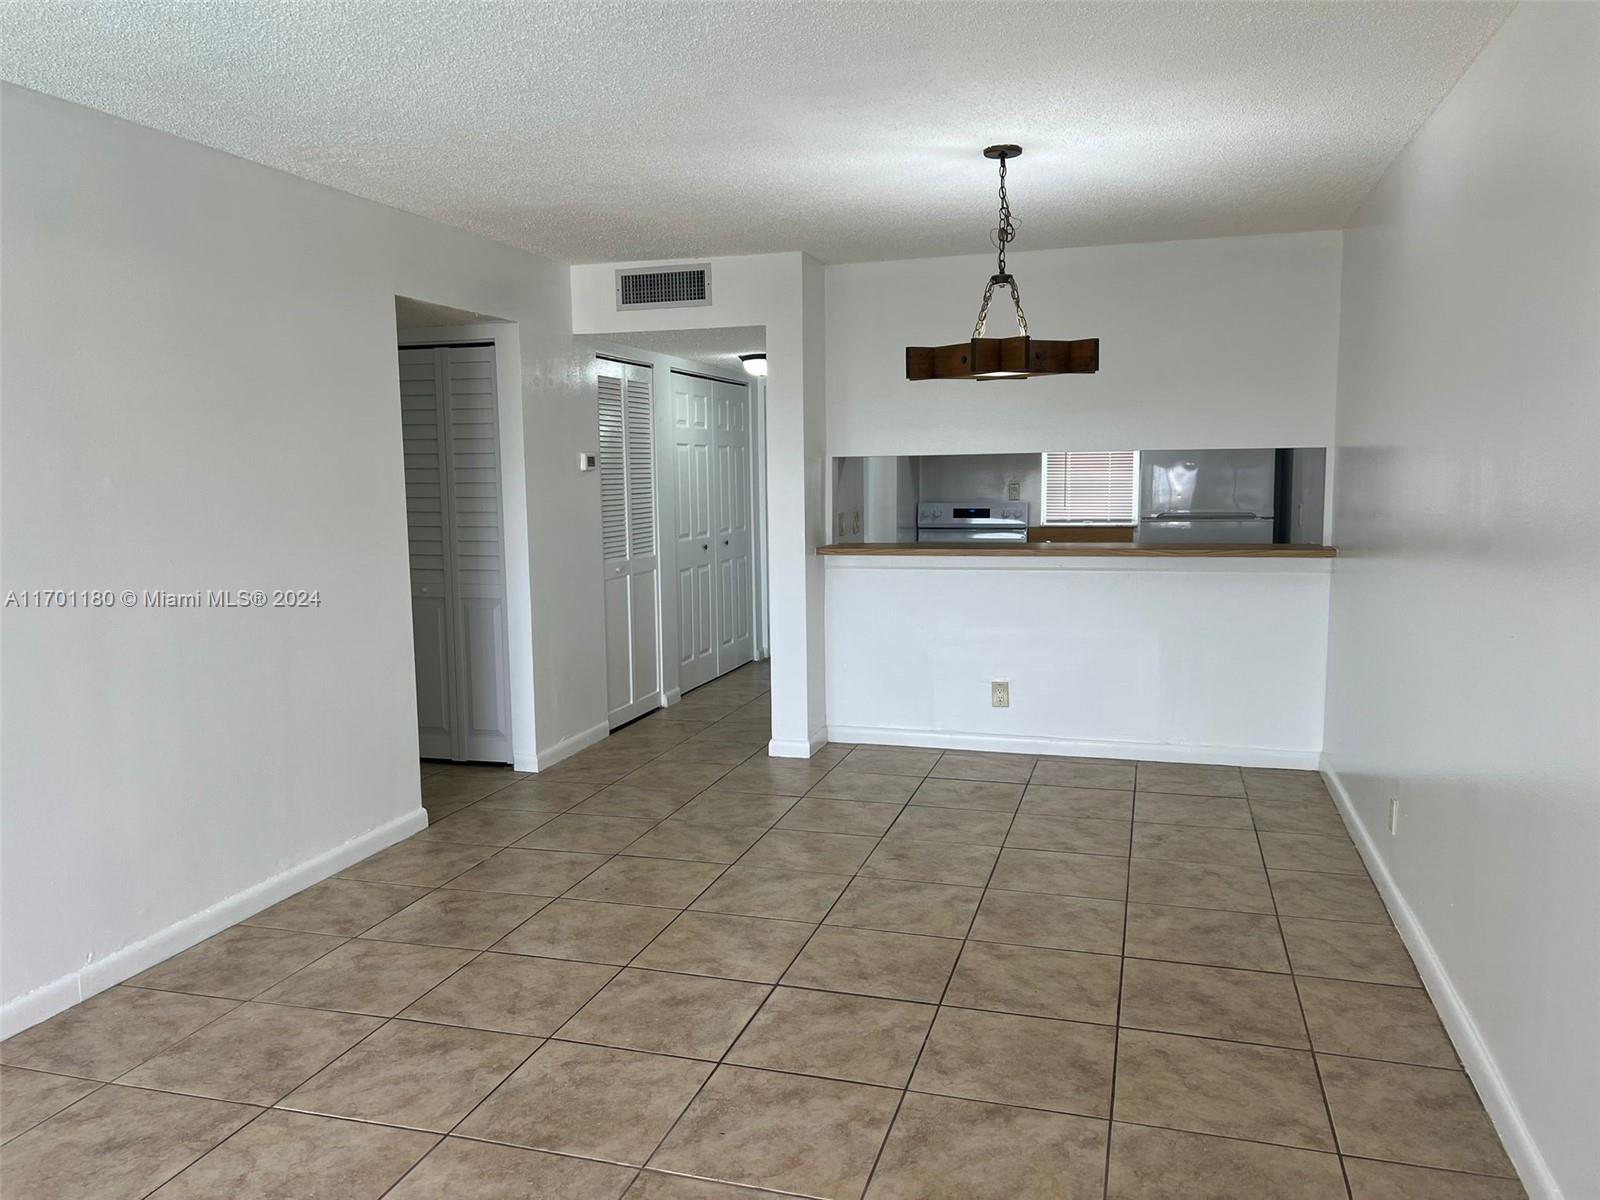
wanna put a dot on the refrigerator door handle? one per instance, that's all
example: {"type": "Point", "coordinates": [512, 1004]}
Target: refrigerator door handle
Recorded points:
{"type": "Point", "coordinates": [1171, 515]}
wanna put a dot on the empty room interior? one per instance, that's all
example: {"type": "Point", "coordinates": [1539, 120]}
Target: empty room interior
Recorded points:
{"type": "Point", "coordinates": [855, 600]}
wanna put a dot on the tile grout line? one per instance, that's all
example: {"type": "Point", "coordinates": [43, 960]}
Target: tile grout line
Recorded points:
{"type": "Point", "coordinates": [263, 1110]}
{"type": "Point", "coordinates": [478, 952]}
{"type": "Point", "coordinates": [802, 1075]}
{"type": "Point", "coordinates": [939, 1005]}
{"type": "Point", "coordinates": [721, 1061]}
{"type": "Point", "coordinates": [552, 1036]}
{"type": "Point", "coordinates": [1122, 976]}
{"type": "Point", "coordinates": [1311, 1050]}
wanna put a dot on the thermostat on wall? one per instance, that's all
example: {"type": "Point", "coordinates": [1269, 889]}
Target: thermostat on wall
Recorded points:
{"type": "Point", "coordinates": [588, 460]}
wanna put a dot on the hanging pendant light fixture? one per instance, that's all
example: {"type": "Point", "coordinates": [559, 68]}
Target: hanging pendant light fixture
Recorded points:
{"type": "Point", "coordinates": [1019, 357]}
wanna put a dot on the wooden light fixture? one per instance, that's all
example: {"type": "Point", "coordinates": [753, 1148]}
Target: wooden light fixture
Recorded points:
{"type": "Point", "coordinates": [1020, 357]}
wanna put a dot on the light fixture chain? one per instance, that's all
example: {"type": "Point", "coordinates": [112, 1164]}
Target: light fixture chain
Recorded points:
{"type": "Point", "coordinates": [983, 311]}
{"type": "Point", "coordinates": [1022, 317]}
{"type": "Point", "coordinates": [1006, 230]}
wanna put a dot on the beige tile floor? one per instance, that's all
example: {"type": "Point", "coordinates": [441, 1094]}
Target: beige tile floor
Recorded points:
{"type": "Point", "coordinates": [673, 968]}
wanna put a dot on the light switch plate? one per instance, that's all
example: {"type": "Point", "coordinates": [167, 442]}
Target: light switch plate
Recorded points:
{"type": "Point", "coordinates": [588, 460]}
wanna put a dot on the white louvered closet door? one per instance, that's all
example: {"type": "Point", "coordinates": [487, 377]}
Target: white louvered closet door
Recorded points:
{"type": "Point", "coordinates": [422, 433]}
{"type": "Point", "coordinates": [454, 510]}
{"type": "Point", "coordinates": [628, 536]}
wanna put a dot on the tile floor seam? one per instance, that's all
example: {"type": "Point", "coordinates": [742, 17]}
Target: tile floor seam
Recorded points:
{"type": "Point", "coordinates": [1281, 811]}
{"type": "Point", "coordinates": [1322, 1088]}
{"type": "Point", "coordinates": [939, 1005]}
{"type": "Point", "coordinates": [771, 990]}
{"type": "Point", "coordinates": [1111, 1121]}
{"type": "Point", "coordinates": [231, 1135]}
{"type": "Point", "coordinates": [1122, 977]}
{"type": "Point", "coordinates": [98, 1084]}
{"type": "Point", "coordinates": [629, 965]}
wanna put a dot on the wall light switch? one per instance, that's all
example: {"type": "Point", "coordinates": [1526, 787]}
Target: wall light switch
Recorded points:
{"type": "Point", "coordinates": [588, 460]}
{"type": "Point", "coordinates": [999, 694]}
{"type": "Point", "coordinates": [1394, 815]}
{"type": "Point", "coordinates": [855, 522]}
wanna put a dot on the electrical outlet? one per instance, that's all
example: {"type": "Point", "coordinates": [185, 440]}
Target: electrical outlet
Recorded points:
{"type": "Point", "coordinates": [1394, 815]}
{"type": "Point", "coordinates": [841, 524]}
{"type": "Point", "coordinates": [1014, 489]}
{"type": "Point", "coordinates": [999, 694]}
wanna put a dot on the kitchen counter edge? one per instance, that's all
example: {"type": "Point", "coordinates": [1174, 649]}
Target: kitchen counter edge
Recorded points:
{"type": "Point", "coordinates": [1071, 550]}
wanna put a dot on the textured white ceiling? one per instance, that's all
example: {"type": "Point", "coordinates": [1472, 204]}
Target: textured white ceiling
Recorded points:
{"type": "Point", "coordinates": [597, 131]}
{"type": "Point", "coordinates": [715, 347]}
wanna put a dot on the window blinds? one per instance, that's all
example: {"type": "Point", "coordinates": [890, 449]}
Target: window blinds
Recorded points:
{"type": "Point", "coordinates": [1093, 486]}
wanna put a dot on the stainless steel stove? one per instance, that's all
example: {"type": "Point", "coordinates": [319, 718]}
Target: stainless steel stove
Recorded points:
{"type": "Point", "coordinates": [972, 521]}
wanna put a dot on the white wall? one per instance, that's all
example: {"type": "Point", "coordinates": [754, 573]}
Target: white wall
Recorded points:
{"type": "Point", "coordinates": [1465, 650]}
{"type": "Point", "coordinates": [1206, 344]}
{"type": "Point", "coordinates": [1206, 660]}
{"type": "Point", "coordinates": [783, 293]}
{"type": "Point", "coordinates": [200, 391]}
{"type": "Point", "coordinates": [983, 477]}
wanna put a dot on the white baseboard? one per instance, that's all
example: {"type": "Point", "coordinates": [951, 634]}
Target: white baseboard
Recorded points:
{"type": "Point", "coordinates": [1231, 756]}
{"type": "Point", "coordinates": [545, 759]}
{"type": "Point", "coordinates": [794, 748]}
{"type": "Point", "coordinates": [672, 697]}
{"type": "Point", "coordinates": [96, 975]}
{"type": "Point", "coordinates": [1475, 1054]}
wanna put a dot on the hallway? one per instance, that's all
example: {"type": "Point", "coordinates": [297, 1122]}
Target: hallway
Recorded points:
{"type": "Point", "coordinates": [903, 973]}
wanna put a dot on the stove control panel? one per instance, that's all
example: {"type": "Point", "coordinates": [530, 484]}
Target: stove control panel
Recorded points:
{"type": "Point", "coordinates": [959, 512]}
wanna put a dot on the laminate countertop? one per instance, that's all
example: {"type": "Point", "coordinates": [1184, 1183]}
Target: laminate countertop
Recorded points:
{"type": "Point", "coordinates": [1075, 550]}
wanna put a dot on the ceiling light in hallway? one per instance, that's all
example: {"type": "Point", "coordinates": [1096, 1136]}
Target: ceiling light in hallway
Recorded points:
{"type": "Point", "coordinates": [754, 364]}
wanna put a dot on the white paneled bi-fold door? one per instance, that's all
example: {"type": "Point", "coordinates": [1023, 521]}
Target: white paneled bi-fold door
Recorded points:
{"type": "Point", "coordinates": [631, 561]}
{"type": "Point", "coordinates": [450, 425]}
{"type": "Point", "coordinates": [691, 528]}
{"type": "Point", "coordinates": [731, 541]}
{"type": "Point", "coordinates": [712, 527]}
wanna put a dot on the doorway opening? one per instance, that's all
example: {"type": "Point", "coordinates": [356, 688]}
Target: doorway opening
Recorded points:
{"type": "Point", "coordinates": [461, 422]}
{"type": "Point", "coordinates": [682, 450]}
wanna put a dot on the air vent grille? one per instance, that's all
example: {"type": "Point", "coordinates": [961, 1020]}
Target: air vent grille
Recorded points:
{"type": "Point", "coordinates": [666, 287]}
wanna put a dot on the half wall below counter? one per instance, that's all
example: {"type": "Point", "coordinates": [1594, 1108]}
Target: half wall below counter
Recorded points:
{"type": "Point", "coordinates": [1168, 653]}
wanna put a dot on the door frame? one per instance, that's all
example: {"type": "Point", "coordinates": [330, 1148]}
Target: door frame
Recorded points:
{"type": "Point", "coordinates": [513, 515]}
{"type": "Point", "coordinates": [666, 493]}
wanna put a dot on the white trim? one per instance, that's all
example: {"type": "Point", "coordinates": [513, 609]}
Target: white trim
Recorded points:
{"type": "Point", "coordinates": [630, 712]}
{"type": "Point", "coordinates": [96, 975]}
{"type": "Point", "coordinates": [568, 746]}
{"type": "Point", "coordinates": [671, 698]}
{"type": "Point", "coordinates": [792, 748]}
{"type": "Point", "coordinates": [1178, 752]}
{"type": "Point", "coordinates": [1469, 1042]}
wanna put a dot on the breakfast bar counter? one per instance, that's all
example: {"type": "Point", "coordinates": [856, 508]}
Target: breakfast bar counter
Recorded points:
{"type": "Point", "coordinates": [1076, 550]}
{"type": "Point", "coordinates": [1185, 652]}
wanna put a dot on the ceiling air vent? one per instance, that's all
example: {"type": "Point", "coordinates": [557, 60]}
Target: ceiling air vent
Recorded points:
{"type": "Point", "coordinates": [664, 287]}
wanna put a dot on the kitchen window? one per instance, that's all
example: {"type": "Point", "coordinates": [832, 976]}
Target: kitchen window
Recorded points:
{"type": "Point", "coordinates": [1095, 487]}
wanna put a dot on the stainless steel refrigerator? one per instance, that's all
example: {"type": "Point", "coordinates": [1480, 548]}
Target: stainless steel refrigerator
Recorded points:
{"type": "Point", "coordinates": [1206, 495]}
